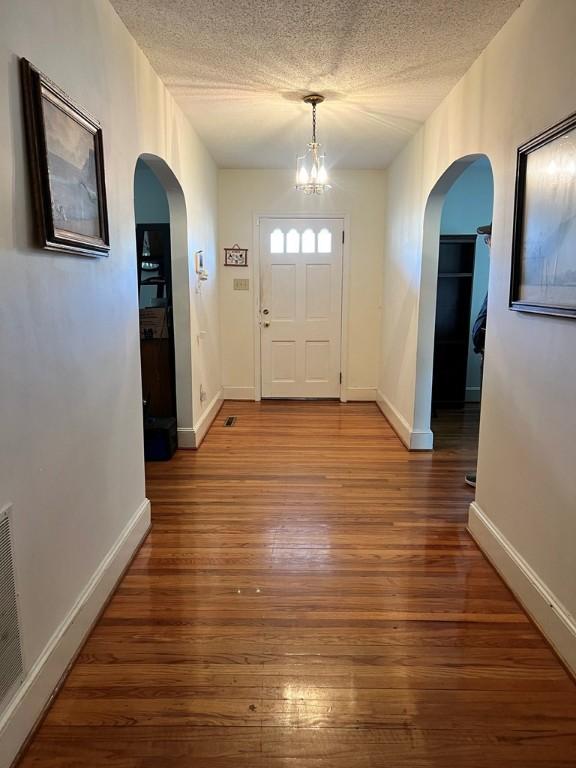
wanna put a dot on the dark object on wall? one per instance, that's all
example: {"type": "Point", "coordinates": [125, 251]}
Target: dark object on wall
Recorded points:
{"type": "Point", "coordinates": [235, 256]}
{"type": "Point", "coordinates": [453, 307]}
{"type": "Point", "coordinates": [544, 246]}
{"type": "Point", "coordinates": [160, 438]}
{"type": "Point", "coordinates": [66, 168]}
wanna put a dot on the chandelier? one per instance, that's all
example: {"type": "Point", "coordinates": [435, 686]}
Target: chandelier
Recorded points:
{"type": "Point", "coordinates": [311, 174]}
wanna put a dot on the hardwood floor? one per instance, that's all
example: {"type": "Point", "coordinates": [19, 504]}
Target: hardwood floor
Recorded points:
{"type": "Point", "coordinates": [309, 597]}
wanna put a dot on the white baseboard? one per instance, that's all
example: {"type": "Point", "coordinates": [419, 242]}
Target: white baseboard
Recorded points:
{"type": "Point", "coordinates": [30, 700]}
{"type": "Point", "coordinates": [205, 421]}
{"type": "Point", "coordinates": [354, 394]}
{"type": "Point", "coordinates": [413, 439]}
{"type": "Point", "coordinates": [553, 619]}
{"type": "Point", "coordinates": [191, 437]}
{"type": "Point", "coordinates": [359, 394]}
{"type": "Point", "coordinates": [186, 437]}
{"type": "Point", "coordinates": [238, 393]}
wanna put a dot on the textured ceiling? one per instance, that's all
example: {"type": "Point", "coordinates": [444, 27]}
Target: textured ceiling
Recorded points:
{"type": "Point", "coordinates": [239, 67]}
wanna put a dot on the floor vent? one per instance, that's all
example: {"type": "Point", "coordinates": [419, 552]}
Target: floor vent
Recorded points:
{"type": "Point", "coordinates": [11, 666]}
{"type": "Point", "coordinates": [230, 421]}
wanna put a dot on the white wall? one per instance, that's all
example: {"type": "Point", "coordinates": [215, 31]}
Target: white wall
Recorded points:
{"type": "Point", "coordinates": [467, 206]}
{"type": "Point", "coordinates": [357, 193]}
{"type": "Point", "coordinates": [525, 512]}
{"type": "Point", "coordinates": [71, 454]}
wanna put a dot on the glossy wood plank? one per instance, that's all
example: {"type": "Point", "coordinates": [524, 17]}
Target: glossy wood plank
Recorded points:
{"type": "Point", "coordinates": [309, 747]}
{"type": "Point", "coordinates": [309, 597]}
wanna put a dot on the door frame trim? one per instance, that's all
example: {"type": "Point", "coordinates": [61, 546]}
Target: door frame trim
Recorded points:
{"type": "Point", "coordinates": [345, 218]}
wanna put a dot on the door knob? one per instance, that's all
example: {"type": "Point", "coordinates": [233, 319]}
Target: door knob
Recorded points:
{"type": "Point", "coordinates": [265, 311]}
{"type": "Point", "coordinates": [266, 323]}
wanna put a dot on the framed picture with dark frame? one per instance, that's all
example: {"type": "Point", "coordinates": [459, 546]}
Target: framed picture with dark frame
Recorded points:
{"type": "Point", "coordinates": [66, 168]}
{"type": "Point", "coordinates": [235, 256]}
{"type": "Point", "coordinates": [544, 244]}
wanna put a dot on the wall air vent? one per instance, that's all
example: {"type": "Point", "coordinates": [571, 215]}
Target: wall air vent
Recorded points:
{"type": "Point", "coordinates": [11, 666]}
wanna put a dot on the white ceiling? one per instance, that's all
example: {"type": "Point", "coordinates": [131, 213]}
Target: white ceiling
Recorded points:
{"type": "Point", "coordinates": [239, 67]}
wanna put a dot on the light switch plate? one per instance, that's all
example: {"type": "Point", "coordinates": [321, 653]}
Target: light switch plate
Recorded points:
{"type": "Point", "coordinates": [241, 284]}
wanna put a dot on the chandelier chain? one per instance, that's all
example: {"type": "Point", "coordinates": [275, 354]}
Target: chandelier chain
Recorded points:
{"type": "Point", "coordinates": [314, 122]}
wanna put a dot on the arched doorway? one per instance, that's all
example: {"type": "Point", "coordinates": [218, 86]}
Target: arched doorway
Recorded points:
{"type": "Point", "coordinates": [470, 206]}
{"type": "Point", "coordinates": [164, 296]}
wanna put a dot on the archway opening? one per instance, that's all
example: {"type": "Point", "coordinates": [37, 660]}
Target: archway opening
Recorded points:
{"type": "Point", "coordinates": [164, 305]}
{"type": "Point", "coordinates": [454, 286]}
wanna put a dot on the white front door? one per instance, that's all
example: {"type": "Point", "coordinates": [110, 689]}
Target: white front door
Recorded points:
{"type": "Point", "coordinates": [301, 306]}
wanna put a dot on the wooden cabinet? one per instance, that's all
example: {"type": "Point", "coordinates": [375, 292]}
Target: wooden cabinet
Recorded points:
{"type": "Point", "coordinates": [155, 298]}
{"type": "Point", "coordinates": [157, 377]}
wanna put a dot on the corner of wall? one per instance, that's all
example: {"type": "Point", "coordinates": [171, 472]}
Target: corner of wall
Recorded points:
{"type": "Point", "coordinates": [413, 439]}
{"type": "Point", "coordinates": [27, 707]}
{"type": "Point", "coordinates": [552, 618]}
{"type": "Point", "coordinates": [193, 437]}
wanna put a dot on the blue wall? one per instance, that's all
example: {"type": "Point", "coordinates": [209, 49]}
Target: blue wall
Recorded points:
{"type": "Point", "coordinates": [150, 207]}
{"type": "Point", "coordinates": [150, 201]}
{"type": "Point", "coordinates": [468, 205]}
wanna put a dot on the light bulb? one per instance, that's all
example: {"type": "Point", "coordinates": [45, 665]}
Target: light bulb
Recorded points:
{"type": "Point", "coordinates": [303, 176]}
{"type": "Point", "coordinates": [314, 172]}
{"type": "Point", "coordinates": [322, 175]}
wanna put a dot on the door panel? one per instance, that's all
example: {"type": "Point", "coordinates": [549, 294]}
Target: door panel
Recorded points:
{"type": "Point", "coordinates": [318, 288]}
{"type": "Point", "coordinates": [283, 292]}
{"type": "Point", "coordinates": [283, 362]}
{"type": "Point", "coordinates": [317, 361]}
{"type": "Point", "coordinates": [301, 306]}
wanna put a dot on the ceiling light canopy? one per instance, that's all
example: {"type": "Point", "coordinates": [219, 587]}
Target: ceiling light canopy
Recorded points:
{"type": "Point", "coordinates": [311, 173]}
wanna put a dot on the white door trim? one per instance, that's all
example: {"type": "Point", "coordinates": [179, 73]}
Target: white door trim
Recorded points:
{"type": "Point", "coordinates": [345, 218]}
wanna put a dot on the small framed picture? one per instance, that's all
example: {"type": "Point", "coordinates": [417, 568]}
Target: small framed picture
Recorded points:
{"type": "Point", "coordinates": [544, 245]}
{"type": "Point", "coordinates": [67, 168]}
{"type": "Point", "coordinates": [235, 256]}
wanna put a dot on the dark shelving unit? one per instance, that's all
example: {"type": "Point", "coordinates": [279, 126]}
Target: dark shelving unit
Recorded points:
{"type": "Point", "coordinates": [453, 306]}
